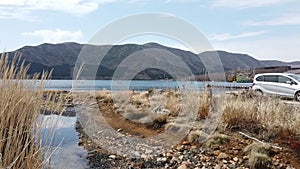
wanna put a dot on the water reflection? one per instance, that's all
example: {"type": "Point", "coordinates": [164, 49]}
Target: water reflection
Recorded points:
{"type": "Point", "coordinates": [61, 132]}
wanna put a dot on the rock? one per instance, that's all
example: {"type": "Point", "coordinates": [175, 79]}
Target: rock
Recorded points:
{"type": "Point", "coordinates": [89, 155]}
{"type": "Point", "coordinates": [215, 147]}
{"type": "Point", "coordinates": [149, 151]}
{"type": "Point", "coordinates": [161, 159]}
{"type": "Point", "coordinates": [169, 154]}
{"type": "Point", "coordinates": [217, 167]}
{"type": "Point", "coordinates": [112, 156]}
{"type": "Point", "coordinates": [204, 158]}
{"type": "Point", "coordinates": [235, 152]}
{"type": "Point", "coordinates": [80, 143]}
{"type": "Point", "coordinates": [236, 159]}
{"type": "Point", "coordinates": [217, 152]}
{"type": "Point", "coordinates": [183, 166]}
{"type": "Point", "coordinates": [194, 147]}
{"type": "Point", "coordinates": [222, 156]}
{"type": "Point", "coordinates": [225, 161]}
{"type": "Point", "coordinates": [185, 143]}
{"type": "Point", "coordinates": [137, 154]}
{"type": "Point", "coordinates": [144, 156]}
{"type": "Point", "coordinates": [245, 158]}
{"type": "Point", "coordinates": [119, 130]}
{"type": "Point", "coordinates": [180, 147]}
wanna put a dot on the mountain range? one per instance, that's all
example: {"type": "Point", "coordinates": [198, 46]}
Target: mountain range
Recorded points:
{"type": "Point", "coordinates": [62, 59]}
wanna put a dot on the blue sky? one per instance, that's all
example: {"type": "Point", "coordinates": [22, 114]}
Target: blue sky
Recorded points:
{"type": "Point", "coordinates": [264, 29]}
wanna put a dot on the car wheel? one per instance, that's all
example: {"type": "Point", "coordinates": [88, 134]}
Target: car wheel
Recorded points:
{"type": "Point", "coordinates": [297, 96]}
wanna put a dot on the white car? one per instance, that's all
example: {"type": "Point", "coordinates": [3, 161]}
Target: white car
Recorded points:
{"type": "Point", "coordinates": [281, 84]}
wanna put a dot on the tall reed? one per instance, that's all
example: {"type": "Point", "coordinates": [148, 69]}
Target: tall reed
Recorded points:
{"type": "Point", "coordinates": [20, 106]}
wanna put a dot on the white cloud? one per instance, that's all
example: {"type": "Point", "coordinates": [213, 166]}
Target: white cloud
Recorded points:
{"type": "Point", "coordinates": [247, 3]}
{"type": "Point", "coordinates": [181, 1]}
{"type": "Point", "coordinates": [12, 2]}
{"type": "Point", "coordinates": [228, 36]}
{"type": "Point", "coordinates": [54, 36]}
{"type": "Point", "coordinates": [11, 13]}
{"type": "Point", "coordinates": [74, 7]}
{"type": "Point", "coordinates": [287, 19]}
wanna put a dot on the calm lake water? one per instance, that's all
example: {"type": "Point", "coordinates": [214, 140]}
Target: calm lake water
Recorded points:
{"type": "Point", "coordinates": [138, 85]}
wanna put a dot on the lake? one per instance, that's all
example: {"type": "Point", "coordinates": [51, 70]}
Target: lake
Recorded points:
{"type": "Point", "coordinates": [138, 85]}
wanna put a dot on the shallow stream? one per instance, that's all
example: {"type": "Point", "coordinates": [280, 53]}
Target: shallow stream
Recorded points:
{"type": "Point", "coordinates": [64, 150]}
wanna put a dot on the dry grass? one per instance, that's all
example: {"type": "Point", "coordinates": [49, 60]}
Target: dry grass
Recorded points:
{"type": "Point", "coordinates": [217, 139]}
{"type": "Point", "coordinates": [268, 117]}
{"type": "Point", "coordinates": [158, 122]}
{"type": "Point", "coordinates": [151, 107]}
{"type": "Point", "coordinates": [20, 106]}
{"type": "Point", "coordinates": [259, 155]}
{"type": "Point", "coordinates": [204, 105]}
{"type": "Point", "coordinates": [257, 147]}
{"type": "Point", "coordinates": [259, 161]}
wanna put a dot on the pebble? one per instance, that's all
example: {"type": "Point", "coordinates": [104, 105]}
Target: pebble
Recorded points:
{"type": "Point", "coordinates": [180, 157]}
{"type": "Point", "coordinates": [194, 147]}
{"type": "Point", "coordinates": [185, 143]}
{"type": "Point", "coordinates": [161, 159]}
{"type": "Point", "coordinates": [222, 156]}
{"type": "Point", "coordinates": [180, 147]}
{"type": "Point", "coordinates": [183, 166]}
{"type": "Point", "coordinates": [217, 167]}
{"type": "Point", "coordinates": [215, 147]}
{"type": "Point", "coordinates": [169, 154]}
{"type": "Point", "coordinates": [144, 156]}
{"type": "Point", "coordinates": [148, 151]}
{"type": "Point", "coordinates": [112, 156]}
{"type": "Point", "coordinates": [236, 159]}
{"type": "Point", "coordinates": [245, 158]}
{"type": "Point", "coordinates": [217, 152]}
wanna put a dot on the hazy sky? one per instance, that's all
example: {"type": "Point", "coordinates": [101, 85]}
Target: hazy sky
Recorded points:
{"type": "Point", "coordinates": [265, 29]}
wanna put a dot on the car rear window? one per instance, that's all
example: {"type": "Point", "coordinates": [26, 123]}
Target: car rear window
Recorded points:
{"type": "Point", "coordinates": [260, 78]}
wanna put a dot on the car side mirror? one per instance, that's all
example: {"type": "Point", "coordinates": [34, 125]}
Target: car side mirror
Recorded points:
{"type": "Point", "coordinates": [291, 82]}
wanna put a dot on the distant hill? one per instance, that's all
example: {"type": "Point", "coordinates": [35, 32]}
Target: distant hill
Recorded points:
{"type": "Point", "coordinates": [232, 61]}
{"type": "Point", "coordinates": [62, 57]}
{"type": "Point", "coordinates": [268, 63]}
